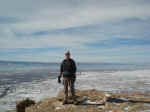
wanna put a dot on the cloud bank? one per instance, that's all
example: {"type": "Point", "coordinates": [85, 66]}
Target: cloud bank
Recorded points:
{"type": "Point", "coordinates": [94, 30]}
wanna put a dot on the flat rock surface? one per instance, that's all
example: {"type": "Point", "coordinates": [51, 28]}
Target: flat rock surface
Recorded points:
{"type": "Point", "coordinates": [95, 101]}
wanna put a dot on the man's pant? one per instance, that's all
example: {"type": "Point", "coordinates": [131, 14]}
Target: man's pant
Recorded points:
{"type": "Point", "coordinates": [69, 83]}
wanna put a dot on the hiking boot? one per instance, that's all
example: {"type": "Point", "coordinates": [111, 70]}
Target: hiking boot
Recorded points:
{"type": "Point", "coordinates": [73, 98]}
{"type": "Point", "coordinates": [75, 102]}
{"type": "Point", "coordinates": [65, 102]}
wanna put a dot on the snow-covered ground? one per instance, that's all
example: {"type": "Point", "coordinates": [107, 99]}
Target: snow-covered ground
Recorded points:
{"type": "Point", "coordinates": [138, 80]}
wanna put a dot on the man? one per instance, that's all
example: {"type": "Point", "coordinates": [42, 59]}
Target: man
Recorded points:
{"type": "Point", "coordinates": [68, 72]}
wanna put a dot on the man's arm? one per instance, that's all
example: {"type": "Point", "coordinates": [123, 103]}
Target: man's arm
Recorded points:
{"type": "Point", "coordinates": [61, 69]}
{"type": "Point", "coordinates": [74, 66]}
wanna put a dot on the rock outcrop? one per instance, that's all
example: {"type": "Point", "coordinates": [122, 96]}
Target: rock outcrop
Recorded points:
{"type": "Point", "coordinates": [94, 101]}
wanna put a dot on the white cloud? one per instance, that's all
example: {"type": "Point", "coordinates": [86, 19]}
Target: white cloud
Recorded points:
{"type": "Point", "coordinates": [52, 18]}
{"type": "Point", "coordinates": [49, 15]}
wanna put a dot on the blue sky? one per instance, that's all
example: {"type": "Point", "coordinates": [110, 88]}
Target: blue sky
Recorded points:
{"type": "Point", "coordinates": [93, 30]}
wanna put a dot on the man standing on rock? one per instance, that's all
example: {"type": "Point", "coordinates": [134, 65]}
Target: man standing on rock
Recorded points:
{"type": "Point", "coordinates": [68, 72]}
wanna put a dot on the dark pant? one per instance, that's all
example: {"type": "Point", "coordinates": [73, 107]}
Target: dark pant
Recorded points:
{"type": "Point", "coordinates": [69, 83]}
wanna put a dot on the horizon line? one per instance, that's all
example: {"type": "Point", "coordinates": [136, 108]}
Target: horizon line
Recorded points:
{"type": "Point", "coordinates": [20, 61]}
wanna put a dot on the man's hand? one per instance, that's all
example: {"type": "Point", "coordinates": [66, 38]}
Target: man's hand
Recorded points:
{"type": "Point", "coordinates": [59, 79]}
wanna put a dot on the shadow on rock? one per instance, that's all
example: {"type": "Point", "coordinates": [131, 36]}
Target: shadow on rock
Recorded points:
{"type": "Point", "coordinates": [124, 100]}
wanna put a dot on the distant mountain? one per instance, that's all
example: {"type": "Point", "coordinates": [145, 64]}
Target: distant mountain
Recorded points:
{"type": "Point", "coordinates": [24, 62]}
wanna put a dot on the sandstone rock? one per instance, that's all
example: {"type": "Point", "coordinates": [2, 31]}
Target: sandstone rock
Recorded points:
{"type": "Point", "coordinates": [94, 101]}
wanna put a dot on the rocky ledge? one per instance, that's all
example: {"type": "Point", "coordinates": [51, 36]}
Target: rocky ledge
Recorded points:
{"type": "Point", "coordinates": [94, 101]}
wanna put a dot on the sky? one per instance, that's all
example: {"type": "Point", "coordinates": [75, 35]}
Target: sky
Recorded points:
{"type": "Point", "coordinates": [93, 30]}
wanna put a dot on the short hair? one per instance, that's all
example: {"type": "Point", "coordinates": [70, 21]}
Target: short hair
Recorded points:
{"type": "Point", "coordinates": [67, 53]}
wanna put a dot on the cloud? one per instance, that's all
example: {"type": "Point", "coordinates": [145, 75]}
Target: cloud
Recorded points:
{"type": "Point", "coordinates": [48, 19]}
{"type": "Point", "coordinates": [100, 27]}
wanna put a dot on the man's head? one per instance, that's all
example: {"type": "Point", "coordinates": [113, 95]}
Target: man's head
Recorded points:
{"type": "Point", "coordinates": [67, 54]}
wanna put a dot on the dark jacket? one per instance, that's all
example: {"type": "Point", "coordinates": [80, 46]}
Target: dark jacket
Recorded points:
{"type": "Point", "coordinates": [68, 68]}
